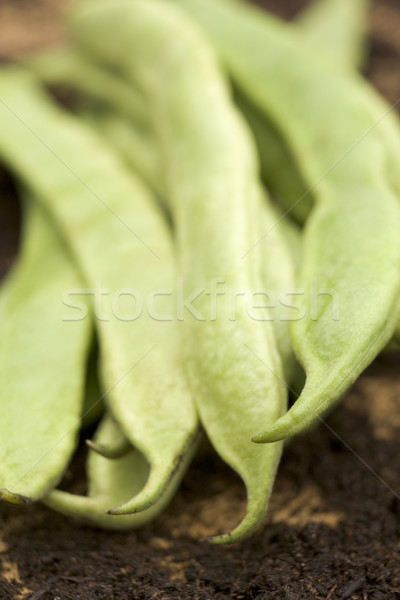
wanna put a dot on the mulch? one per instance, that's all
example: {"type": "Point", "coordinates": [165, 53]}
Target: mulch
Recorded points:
{"type": "Point", "coordinates": [333, 529]}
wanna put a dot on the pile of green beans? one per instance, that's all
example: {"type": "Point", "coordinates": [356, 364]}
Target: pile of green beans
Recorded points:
{"type": "Point", "coordinates": [183, 113]}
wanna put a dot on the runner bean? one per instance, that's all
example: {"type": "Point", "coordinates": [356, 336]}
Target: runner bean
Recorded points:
{"type": "Point", "coordinates": [113, 482]}
{"type": "Point", "coordinates": [42, 363]}
{"type": "Point", "coordinates": [210, 179]}
{"type": "Point", "coordinates": [338, 28]}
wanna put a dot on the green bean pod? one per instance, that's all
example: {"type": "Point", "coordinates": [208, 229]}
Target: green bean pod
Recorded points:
{"type": "Point", "coordinates": [338, 28]}
{"type": "Point", "coordinates": [345, 143]}
{"type": "Point", "coordinates": [210, 179]}
{"type": "Point", "coordinates": [111, 483]}
{"type": "Point", "coordinates": [123, 246]}
{"type": "Point", "coordinates": [42, 363]}
{"type": "Point", "coordinates": [281, 174]}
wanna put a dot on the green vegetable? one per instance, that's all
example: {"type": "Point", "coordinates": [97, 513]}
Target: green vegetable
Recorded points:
{"type": "Point", "coordinates": [113, 482]}
{"type": "Point", "coordinates": [122, 242]}
{"type": "Point", "coordinates": [42, 363]}
{"type": "Point", "coordinates": [210, 175]}
{"type": "Point", "coordinates": [338, 28]}
{"type": "Point", "coordinates": [280, 169]}
{"type": "Point", "coordinates": [138, 148]}
{"type": "Point", "coordinates": [344, 141]}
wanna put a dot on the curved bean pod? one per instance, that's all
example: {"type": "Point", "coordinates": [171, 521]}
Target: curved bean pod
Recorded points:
{"type": "Point", "coordinates": [338, 28]}
{"type": "Point", "coordinates": [345, 143]}
{"type": "Point", "coordinates": [113, 482]}
{"type": "Point", "coordinates": [42, 364]}
{"type": "Point", "coordinates": [210, 174]}
{"type": "Point", "coordinates": [120, 240]}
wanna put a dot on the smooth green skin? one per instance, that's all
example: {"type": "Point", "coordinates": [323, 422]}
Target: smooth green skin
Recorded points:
{"type": "Point", "coordinates": [42, 364]}
{"type": "Point", "coordinates": [210, 174]}
{"type": "Point", "coordinates": [338, 28]}
{"type": "Point", "coordinates": [121, 240]}
{"type": "Point", "coordinates": [280, 169]}
{"type": "Point", "coordinates": [351, 245]}
{"type": "Point", "coordinates": [111, 483]}
{"type": "Point", "coordinates": [280, 249]}
{"type": "Point", "coordinates": [110, 105]}
{"type": "Point", "coordinates": [135, 146]}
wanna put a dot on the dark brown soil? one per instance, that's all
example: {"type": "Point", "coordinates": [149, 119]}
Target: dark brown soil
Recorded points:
{"type": "Point", "coordinates": [333, 530]}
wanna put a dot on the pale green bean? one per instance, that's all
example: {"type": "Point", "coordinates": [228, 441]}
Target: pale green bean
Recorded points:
{"type": "Point", "coordinates": [113, 482]}
{"type": "Point", "coordinates": [210, 175]}
{"type": "Point", "coordinates": [338, 28]}
{"type": "Point", "coordinates": [42, 363]}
